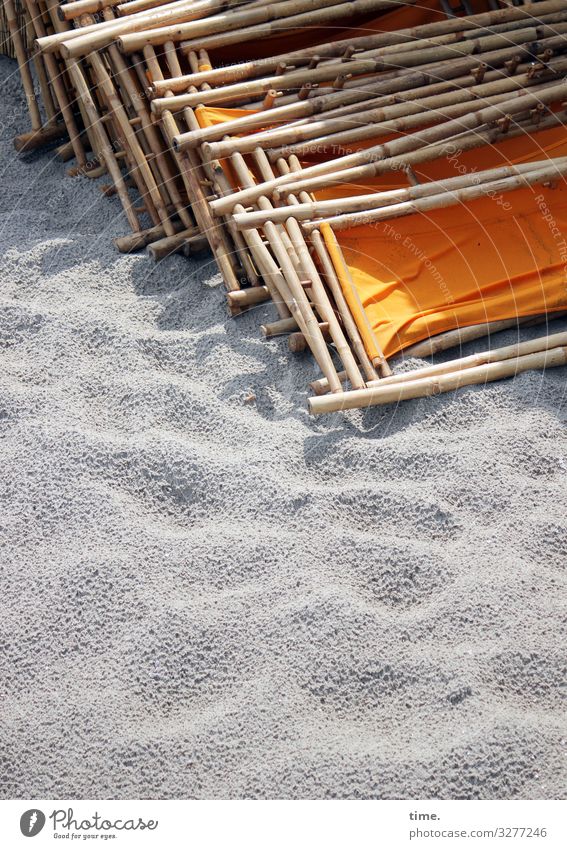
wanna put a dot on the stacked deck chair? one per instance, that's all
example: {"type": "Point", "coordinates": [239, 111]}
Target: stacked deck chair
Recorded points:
{"type": "Point", "coordinates": [391, 176]}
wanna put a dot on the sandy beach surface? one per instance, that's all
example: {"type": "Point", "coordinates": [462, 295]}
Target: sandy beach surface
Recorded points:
{"type": "Point", "coordinates": [209, 596]}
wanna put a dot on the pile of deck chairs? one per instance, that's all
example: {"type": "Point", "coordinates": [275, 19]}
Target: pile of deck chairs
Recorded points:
{"type": "Point", "coordinates": [394, 183]}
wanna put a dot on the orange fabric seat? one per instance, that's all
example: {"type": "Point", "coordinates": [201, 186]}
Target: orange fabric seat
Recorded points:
{"type": "Point", "coordinates": [490, 259]}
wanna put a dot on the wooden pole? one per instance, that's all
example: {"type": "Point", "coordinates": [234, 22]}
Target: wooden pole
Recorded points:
{"type": "Point", "coordinates": [259, 22]}
{"type": "Point", "coordinates": [288, 283]}
{"type": "Point", "coordinates": [402, 118]}
{"type": "Point", "coordinates": [166, 176]}
{"type": "Point", "coordinates": [35, 139]}
{"type": "Point", "coordinates": [244, 298]}
{"type": "Point", "coordinates": [361, 67]}
{"type": "Point", "coordinates": [437, 384]}
{"type": "Point", "coordinates": [441, 200]}
{"type": "Point", "coordinates": [162, 248]}
{"type": "Point", "coordinates": [367, 202]}
{"type": "Point", "coordinates": [23, 66]}
{"type": "Point", "coordinates": [222, 185]}
{"type": "Point", "coordinates": [456, 27]}
{"type": "Point", "coordinates": [93, 36]}
{"type": "Point", "coordinates": [141, 172]}
{"type": "Point", "coordinates": [189, 169]}
{"type": "Point", "coordinates": [136, 241]}
{"type": "Point", "coordinates": [69, 11]}
{"type": "Point", "coordinates": [233, 241]}
{"type": "Point", "coordinates": [543, 343]}
{"type": "Point", "coordinates": [279, 328]}
{"type": "Point", "coordinates": [350, 292]}
{"type": "Point", "coordinates": [318, 294]}
{"type": "Point", "coordinates": [466, 141]}
{"type": "Point", "coordinates": [461, 335]}
{"type": "Point", "coordinates": [333, 282]}
{"type": "Point", "coordinates": [58, 83]}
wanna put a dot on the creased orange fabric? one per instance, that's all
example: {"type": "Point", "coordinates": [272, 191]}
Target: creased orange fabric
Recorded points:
{"type": "Point", "coordinates": [487, 260]}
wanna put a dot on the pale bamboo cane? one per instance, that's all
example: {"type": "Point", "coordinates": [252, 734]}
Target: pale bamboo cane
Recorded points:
{"type": "Point", "coordinates": [332, 281]}
{"type": "Point", "coordinates": [215, 173]}
{"type": "Point", "coordinates": [281, 297]}
{"type": "Point", "coordinates": [279, 328]}
{"type": "Point", "coordinates": [134, 6]}
{"type": "Point", "coordinates": [165, 173]}
{"type": "Point", "coordinates": [275, 285]}
{"type": "Point", "coordinates": [245, 179]}
{"type": "Point", "coordinates": [461, 142]}
{"type": "Point", "coordinates": [289, 286]}
{"type": "Point", "coordinates": [379, 360]}
{"type": "Point", "coordinates": [59, 88]}
{"type": "Point", "coordinates": [522, 15]}
{"type": "Point", "coordinates": [517, 103]}
{"type": "Point", "coordinates": [235, 247]}
{"type": "Point", "coordinates": [241, 299]}
{"type": "Point", "coordinates": [341, 141]}
{"type": "Point", "coordinates": [320, 209]}
{"type": "Point", "coordinates": [23, 65]}
{"type": "Point", "coordinates": [360, 67]}
{"type": "Point", "coordinates": [51, 20]}
{"type": "Point", "coordinates": [137, 241]}
{"type": "Point", "coordinates": [358, 124]}
{"type": "Point", "coordinates": [46, 96]}
{"type": "Point", "coordinates": [144, 138]}
{"type": "Point", "coordinates": [188, 166]}
{"type": "Point", "coordinates": [441, 200]}
{"type": "Point", "coordinates": [304, 113]}
{"type": "Point", "coordinates": [462, 335]}
{"type": "Point", "coordinates": [103, 146]}
{"type": "Point", "coordinates": [451, 339]}
{"type": "Point", "coordinates": [249, 33]}
{"type": "Point", "coordinates": [404, 77]}
{"type": "Point", "coordinates": [438, 384]}
{"type": "Point", "coordinates": [140, 171]}
{"type": "Point", "coordinates": [388, 86]}
{"type": "Point", "coordinates": [96, 35]}
{"type": "Point", "coordinates": [162, 248]}
{"type": "Point", "coordinates": [69, 11]}
{"type": "Point", "coordinates": [26, 142]}
{"type": "Point", "coordinates": [65, 151]}
{"type": "Point", "coordinates": [318, 293]}
{"type": "Point", "coordinates": [349, 322]}
{"type": "Point", "coordinates": [517, 15]}
{"type": "Point", "coordinates": [237, 27]}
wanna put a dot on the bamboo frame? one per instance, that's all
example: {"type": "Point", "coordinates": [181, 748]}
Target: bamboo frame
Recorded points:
{"type": "Point", "coordinates": [363, 67]}
{"type": "Point", "coordinates": [128, 86]}
{"type": "Point", "coordinates": [258, 22]}
{"type": "Point", "coordinates": [443, 199]}
{"type": "Point", "coordinates": [517, 15]}
{"type": "Point", "coordinates": [438, 383]}
{"type": "Point", "coordinates": [190, 170]}
{"type": "Point", "coordinates": [23, 65]}
{"type": "Point", "coordinates": [396, 197]}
